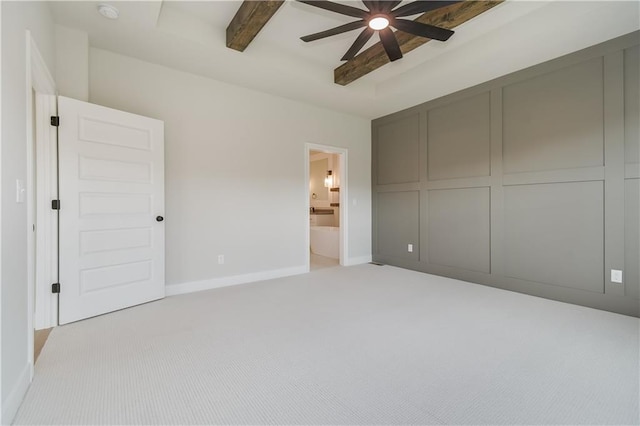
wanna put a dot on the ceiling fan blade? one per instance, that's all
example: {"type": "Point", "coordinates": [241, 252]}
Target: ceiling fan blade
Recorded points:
{"type": "Point", "coordinates": [390, 44]}
{"type": "Point", "coordinates": [380, 6]}
{"type": "Point", "coordinates": [334, 31]}
{"type": "Point", "coordinates": [420, 6]}
{"type": "Point", "coordinates": [422, 30]}
{"type": "Point", "coordinates": [371, 5]}
{"type": "Point", "coordinates": [362, 39]}
{"type": "Point", "coordinates": [343, 9]}
{"type": "Point", "coordinates": [389, 5]}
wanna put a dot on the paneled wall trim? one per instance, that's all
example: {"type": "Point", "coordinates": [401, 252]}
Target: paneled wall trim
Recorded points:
{"type": "Point", "coordinates": [530, 182]}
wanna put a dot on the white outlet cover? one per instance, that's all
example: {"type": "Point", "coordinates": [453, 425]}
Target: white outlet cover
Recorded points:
{"type": "Point", "coordinates": [616, 276]}
{"type": "Point", "coordinates": [20, 191]}
{"type": "Point", "coordinates": [410, 248]}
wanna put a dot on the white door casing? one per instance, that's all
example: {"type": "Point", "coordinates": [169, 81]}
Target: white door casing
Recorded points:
{"type": "Point", "coordinates": [46, 189]}
{"type": "Point", "coordinates": [344, 197]}
{"type": "Point", "coordinates": [111, 173]}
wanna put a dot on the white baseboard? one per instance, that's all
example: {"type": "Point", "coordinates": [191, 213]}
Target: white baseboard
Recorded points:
{"type": "Point", "coordinates": [358, 260]}
{"type": "Point", "coordinates": [190, 287]}
{"type": "Point", "coordinates": [11, 404]}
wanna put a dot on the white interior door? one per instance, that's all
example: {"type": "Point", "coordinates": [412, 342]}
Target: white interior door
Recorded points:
{"type": "Point", "coordinates": [111, 207]}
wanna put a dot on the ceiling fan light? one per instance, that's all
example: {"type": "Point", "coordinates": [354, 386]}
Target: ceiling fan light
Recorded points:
{"type": "Point", "coordinates": [378, 23]}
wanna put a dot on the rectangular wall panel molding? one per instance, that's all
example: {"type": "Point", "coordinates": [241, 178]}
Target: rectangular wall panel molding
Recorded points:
{"type": "Point", "coordinates": [554, 234]}
{"type": "Point", "coordinates": [632, 104]}
{"type": "Point", "coordinates": [555, 121]}
{"type": "Point", "coordinates": [459, 139]}
{"type": "Point", "coordinates": [458, 230]}
{"type": "Point", "coordinates": [614, 168]}
{"type": "Point", "coordinates": [631, 277]}
{"type": "Point", "coordinates": [528, 182]}
{"type": "Point", "coordinates": [398, 144]}
{"type": "Point", "coordinates": [497, 189]}
{"type": "Point", "coordinates": [398, 215]}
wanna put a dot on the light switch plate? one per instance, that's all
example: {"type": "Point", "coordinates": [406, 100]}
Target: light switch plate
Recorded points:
{"type": "Point", "coordinates": [616, 276]}
{"type": "Point", "coordinates": [410, 248]}
{"type": "Point", "coordinates": [20, 191]}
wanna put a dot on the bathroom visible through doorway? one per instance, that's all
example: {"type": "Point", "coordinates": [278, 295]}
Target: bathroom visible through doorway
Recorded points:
{"type": "Point", "coordinates": [326, 188]}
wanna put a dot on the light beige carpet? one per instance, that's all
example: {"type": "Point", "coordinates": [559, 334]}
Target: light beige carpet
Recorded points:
{"type": "Point", "coordinates": [359, 345]}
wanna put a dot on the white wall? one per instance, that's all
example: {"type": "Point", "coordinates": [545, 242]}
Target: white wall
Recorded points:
{"type": "Point", "coordinates": [235, 167]}
{"type": "Point", "coordinates": [16, 18]}
{"type": "Point", "coordinates": [72, 63]}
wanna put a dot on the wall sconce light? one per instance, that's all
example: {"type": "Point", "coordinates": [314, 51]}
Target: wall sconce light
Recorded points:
{"type": "Point", "coordinates": [328, 181]}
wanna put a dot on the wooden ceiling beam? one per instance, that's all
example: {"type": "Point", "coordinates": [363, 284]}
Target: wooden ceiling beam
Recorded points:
{"type": "Point", "coordinates": [248, 21]}
{"type": "Point", "coordinates": [375, 56]}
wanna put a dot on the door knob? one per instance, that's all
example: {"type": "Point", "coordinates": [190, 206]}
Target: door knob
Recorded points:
{"type": "Point", "coordinates": [159, 218]}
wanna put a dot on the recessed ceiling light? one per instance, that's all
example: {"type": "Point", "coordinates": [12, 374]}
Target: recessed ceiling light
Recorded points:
{"type": "Point", "coordinates": [108, 11]}
{"type": "Point", "coordinates": [379, 23]}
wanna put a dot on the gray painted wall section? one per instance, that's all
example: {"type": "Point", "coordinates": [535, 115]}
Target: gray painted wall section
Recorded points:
{"type": "Point", "coordinates": [459, 227]}
{"type": "Point", "coordinates": [530, 182]}
{"type": "Point", "coordinates": [554, 234]}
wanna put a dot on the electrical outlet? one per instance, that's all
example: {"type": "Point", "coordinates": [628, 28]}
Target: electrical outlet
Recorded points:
{"type": "Point", "coordinates": [410, 248]}
{"type": "Point", "coordinates": [616, 276]}
{"type": "Point", "coordinates": [221, 259]}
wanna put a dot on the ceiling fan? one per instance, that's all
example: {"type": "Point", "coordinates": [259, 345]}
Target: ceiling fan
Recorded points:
{"type": "Point", "coordinates": [379, 17]}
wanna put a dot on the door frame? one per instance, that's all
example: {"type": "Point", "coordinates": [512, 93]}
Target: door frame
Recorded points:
{"type": "Point", "coordinates": [344, 188]}
{"type": "Point", "coordinates": [40, 81]}
{"type": "Point", "coordinates": [46, 220]}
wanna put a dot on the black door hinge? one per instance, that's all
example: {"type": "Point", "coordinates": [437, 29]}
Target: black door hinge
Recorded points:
{"type": "Point", "coordinates": [55, 120]}
{"type": "Point", "coordinates": [55, 288]}
{"type": "Point", "coordinates": [55, 204]}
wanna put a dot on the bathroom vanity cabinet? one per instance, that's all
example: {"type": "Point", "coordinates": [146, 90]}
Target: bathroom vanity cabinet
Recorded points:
{"type": "Point", "coordinates": [322, 218]}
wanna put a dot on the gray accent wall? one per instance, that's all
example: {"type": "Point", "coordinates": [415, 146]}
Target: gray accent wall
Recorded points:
{"type": "Point", "coordinates": [459, 228]}
{"type": "Point", "coordinates": [530, 182]}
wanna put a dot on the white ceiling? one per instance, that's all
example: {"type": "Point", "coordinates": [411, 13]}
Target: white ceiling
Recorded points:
{"type": "Point", "coordinates": [190, 36]}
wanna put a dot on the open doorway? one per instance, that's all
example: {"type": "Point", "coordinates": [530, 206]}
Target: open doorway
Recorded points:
{"type": "Point", "coordinates": [326, 186]}
{"type": "Point", "coordinates": [36, 208]}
